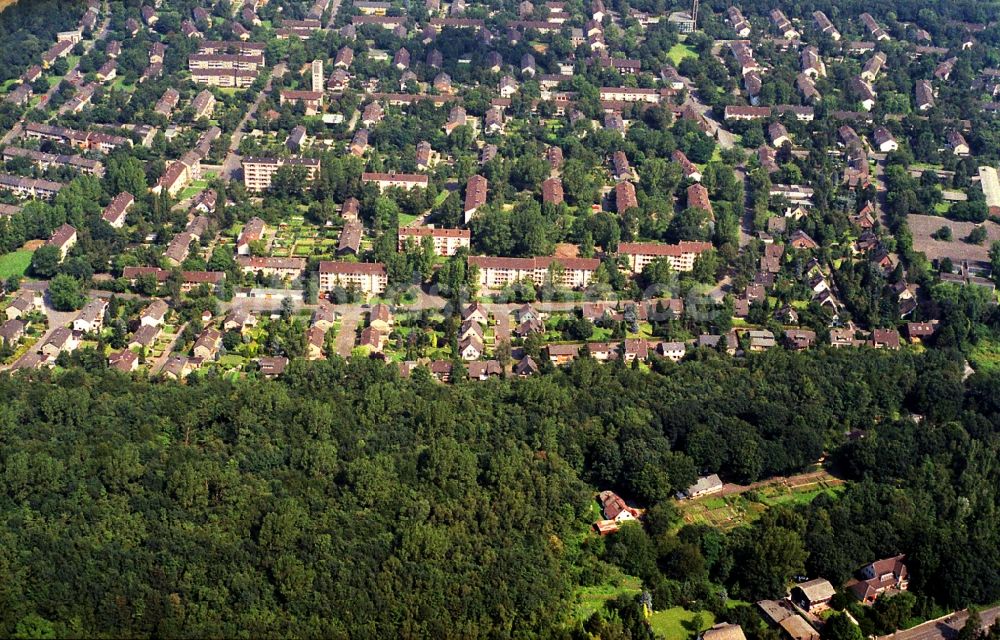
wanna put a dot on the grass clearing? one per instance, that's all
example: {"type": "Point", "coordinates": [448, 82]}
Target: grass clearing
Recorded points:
{"type": "Point", "coordinates": [680, 51]}
{"type": "Point", "coordinates": [592, 599]}
{"type": "Point", "coordinates": [985, 356]}
{"type": "Point", "coordinates": [678, 623]}
{"type": "Point", "coordinates": [15, 263]}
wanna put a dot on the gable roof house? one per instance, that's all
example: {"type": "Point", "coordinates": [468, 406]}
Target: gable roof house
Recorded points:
{"type": "Point", "coordinates": [813, 596]}
{"type": "Point", "coordinates": [924, 95]}
{"type": "Point", "coordinates": [882, 576]}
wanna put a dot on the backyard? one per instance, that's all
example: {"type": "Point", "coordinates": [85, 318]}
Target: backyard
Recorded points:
{"type": "Point", "coordinates": [15, 263]}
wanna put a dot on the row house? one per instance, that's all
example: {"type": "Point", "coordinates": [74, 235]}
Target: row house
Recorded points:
{"type": "Point", "coordinates": [386, 22]}
{"type": "Point", "coordinates": [165, 105]}
{"type": "Point", "coordinates": [825, 26]}
{"type": "Point", "coordinates": [863, 93]}
{"type": "Point", "coordinates": [178, 175]}
{"type": "Point", "coordinates": [697, 198]}
{"type": "Point", "coordinates": [359, 143]}
{"type": "Point", "coordinates": [90, 140]}
{"type": "Point", "coordinates": [447, 242]}
{"type": "Point", "coordinates": [811, 63]}
{"type": "Point", "coordinates": [189, 279]}
{"type": "Point", "coordinates": [552, 191]}
{"type": "Point", "coordinates": [56, 51]}
{"type": "Point", "coordinates": [874, 28]}
{"type": "Point", "coordinates": [496, 273]}
{"type": "Point", "coordinates": [690, 169]}
{"type": "Point", "coordinates": [737, 112]}
{"type": "Point", "coordinates": [178, 249]}
{"type": "Point", "coordinates": [475, 195]}
{"type": "Point", "coordinates": [45, 160]}
{"type": "Point", "coordinates": [203, 104]}
{"type": "Point", "coordinates": [91, 317]}
{"type": "Point", "coordinates": [114, 213]}
{"type": "Point", "coordinates": [739, 23]}
{"type": "Point", "coordinates": [311, 100]}
{"type": "Point", "coordinates": [64, 239]}
{"type": "Point", "coordinates": [625, 197]}
{"type": "Point", "coordinates": [29, 187]}
{"type": "Point", "coordinates": [783, 25]}
{"type": "Point", "coordinates": [924, 95]}
{"type": "Point", "coordinates": [873, 66]}
{"type": "Point", "coordinates": [253, 231]}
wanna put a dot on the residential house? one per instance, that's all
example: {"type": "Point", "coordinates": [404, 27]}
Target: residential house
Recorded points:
{"type": "Point", "coordinates": [706, 485]}
{"type": "Point", "coordinates": [64, 239]}
{"type": "Point", "coordinates": [888, 575]}
{"type": "Point", "coordinates": [814, 596]}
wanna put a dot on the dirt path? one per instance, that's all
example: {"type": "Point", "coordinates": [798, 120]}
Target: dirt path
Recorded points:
{"type": "Point", "coordinates": [790, 482]}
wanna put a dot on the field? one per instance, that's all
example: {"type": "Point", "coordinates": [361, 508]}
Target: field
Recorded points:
{"type": "Point", "coordinates": [680, 51]}
{"type": "Point", "coordinates": [15, 263]}
{"type": "Point", "coordinates": [735, 509]}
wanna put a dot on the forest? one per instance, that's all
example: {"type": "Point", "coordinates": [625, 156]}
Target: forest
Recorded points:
{"type": "Point", "coordinates": [343, 501]}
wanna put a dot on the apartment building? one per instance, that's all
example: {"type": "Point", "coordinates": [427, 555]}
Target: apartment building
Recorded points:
{"type": "Point", "coordinates": [369, 278]}
{"type": "Point", "coordinates": [258, 172]}
{"type": "Point", "coordinates": [447, 242]}
{"type": "Point", "coordinates": [681, 256]}
{"type": "Point", "coordinates": [496, 273]}
{"type": "Point", "coordinates": [402, 180]}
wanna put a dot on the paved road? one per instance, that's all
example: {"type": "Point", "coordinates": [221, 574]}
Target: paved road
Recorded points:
{"type": "Point", "coordinates": [56, 319]}
{"type": "Point", "coordinates": [945, 628]}
{"type": "Point", "coordinates": [349, 319]}
{"type": "Point", "coordinates": [231, 165]}
{"type": "Point", "coordinates": [158, 363]}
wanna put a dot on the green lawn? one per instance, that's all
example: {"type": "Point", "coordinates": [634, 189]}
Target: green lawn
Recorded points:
{"type": "Point", "coordinates": [406, 219]}
{"type": "Point", "coordinates": [680, 51]}
{"type": "Point", "coordinates": [15, 263]}
{"type": "Point", "coordinates": [678, 623]}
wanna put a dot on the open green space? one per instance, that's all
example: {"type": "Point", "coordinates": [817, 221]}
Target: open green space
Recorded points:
{"type": "Point", "coordinates": [678, 622]}
{"type": "Point", "coordinates": [680, 51]}
{"type": "Point", "coordinates": [985, 356]}
{"type": "Point", "coordinates": [593, 598]}
{"type": "Point", "coordinates": [15, 263]}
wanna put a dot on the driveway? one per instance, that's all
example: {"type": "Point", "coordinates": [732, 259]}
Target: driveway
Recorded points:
{"type": "Point", "coordinates": [349, 319]}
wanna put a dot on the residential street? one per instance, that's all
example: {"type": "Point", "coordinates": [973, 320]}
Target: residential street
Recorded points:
{"type": "Point", "coordinates": [945, 628]}
{"type": "Point", "coordinates": [231, 165]}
